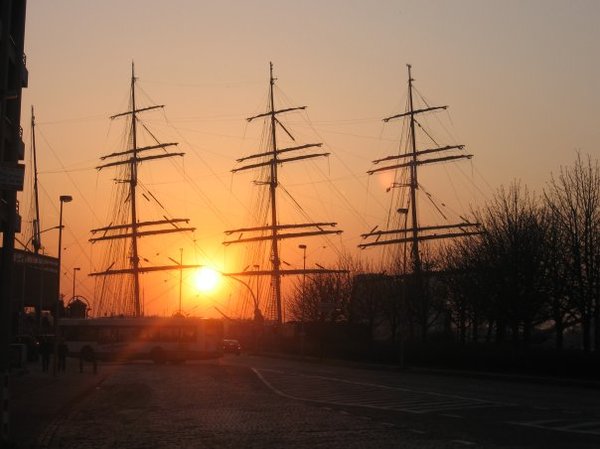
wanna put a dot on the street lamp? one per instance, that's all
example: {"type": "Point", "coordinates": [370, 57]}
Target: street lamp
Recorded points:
{"type": "Point", "coordinates": [258, 316]}
{"type": "Point", "coordinates": [180, 264]}
{"type": "Point", "coordinates": [26, 244]}
{"type": "Point", "coordinates": [256, 268]}
{"type": "Point", "coordinates": [302, 332]}
{"type": "Point", "coordinates": [63, 199]}
{"type": "Point", "coordinates": [75, 270]}
{"type": "Point", "coordinates": [303, 248]}
{"type": "Point", "coordinates": [257, 313]}
{"type": "Point", "coordinates": [180, 276]}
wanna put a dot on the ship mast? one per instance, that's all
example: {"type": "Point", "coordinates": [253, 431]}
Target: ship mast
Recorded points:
{"type": "Point", "coordinates": [273, 159]}
{"type": "Point", "coordinates": [413, 180]}
{"type": "Point", "coordinates": [276, 279]}
{"type": "Point", "coordinates": [37, 238]}
{"type": "Point", "coordinates": [415, 233]}
{"type": "Point", "coordinates": [132, 230]}
{"type": "Point", "coordinates": [135, 260]}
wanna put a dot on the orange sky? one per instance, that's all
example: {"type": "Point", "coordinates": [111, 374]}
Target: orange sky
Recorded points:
{"type": "Point", "coordinates": [521, 79]}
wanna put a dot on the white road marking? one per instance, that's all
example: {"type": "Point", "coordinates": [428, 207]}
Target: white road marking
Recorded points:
{"type": "Point", "coordinates": [563, 425]}
{"type": "Point", "coordinates": [370, 395]}
{"type": "Point", "coordinates": [464, 442]}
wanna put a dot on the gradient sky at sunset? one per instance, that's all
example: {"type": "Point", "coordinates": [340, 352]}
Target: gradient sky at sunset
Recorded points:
{"type": "Point", "coordinates": [521, 79]}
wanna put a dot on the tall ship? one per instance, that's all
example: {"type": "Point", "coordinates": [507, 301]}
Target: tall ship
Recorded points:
{"type": "Point", "coordinates": [264, 240]}
{"type": "Point", "coordinates": [406, 231]}
{"type": "Point", "coordinates": [119, 290]}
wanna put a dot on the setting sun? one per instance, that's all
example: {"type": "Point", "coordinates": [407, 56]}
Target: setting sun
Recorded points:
{"type": "Point", "coordinates": [206, 279]}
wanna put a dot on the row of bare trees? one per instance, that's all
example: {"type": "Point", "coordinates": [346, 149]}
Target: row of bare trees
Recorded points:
{"type": "Point", "coordinates": [536, 264]}
{"type": "Point", "coordinates": [535, 269]}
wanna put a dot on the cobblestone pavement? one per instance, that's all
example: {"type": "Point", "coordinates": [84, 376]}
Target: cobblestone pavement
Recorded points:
{"type": "Point", "coordinates": [38, 400]}
{"type": "Point", "coordinates": [211, 405]}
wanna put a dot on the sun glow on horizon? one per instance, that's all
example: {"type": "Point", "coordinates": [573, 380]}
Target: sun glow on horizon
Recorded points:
{"type": "Point", "coordinates": [206, 279]}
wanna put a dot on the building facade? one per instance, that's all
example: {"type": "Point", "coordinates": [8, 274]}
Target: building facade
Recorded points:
{"type": "Point", "coordinates": [13, 78]}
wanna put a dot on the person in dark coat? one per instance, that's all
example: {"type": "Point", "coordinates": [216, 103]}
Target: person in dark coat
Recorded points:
{"type": "Point", "coordinates": [63, 350]}
{"type": "Point", "coordinates": [45, 350]}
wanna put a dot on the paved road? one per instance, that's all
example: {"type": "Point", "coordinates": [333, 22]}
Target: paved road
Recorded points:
{"type": "Point", "coordinates": [477, 412]}
{"type": "Point", "coordinates": [210, 406]}
{"type": "Point", "coordinates": [253, 402]}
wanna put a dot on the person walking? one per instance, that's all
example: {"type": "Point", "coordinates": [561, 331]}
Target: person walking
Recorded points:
{"type": "Point", "coordinates": [45, 349]}
{"type": "Point", "coordinates": [63, 350]}
{"type": "Point", "coordinates": [88, 356]}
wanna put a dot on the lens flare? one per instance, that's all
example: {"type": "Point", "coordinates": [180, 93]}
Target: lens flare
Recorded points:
{"type": "Point", "coordinates": [206, 279]}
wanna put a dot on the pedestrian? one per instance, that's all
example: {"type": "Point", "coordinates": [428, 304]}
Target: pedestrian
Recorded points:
{"type": "Point", "coordinates": [63, 350]}
{"type": "Point", "coordinates": [45, 349]}
{"type": "Point", "coordinates": [87, 355]}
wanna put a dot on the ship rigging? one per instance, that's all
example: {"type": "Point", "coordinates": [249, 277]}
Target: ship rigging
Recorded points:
{"type": "Point", "coordinates": [272, 231]}
{"type": "Point", "coordinates": [124, 234]}
{"type": "Point", "coordinates": [412, 232]}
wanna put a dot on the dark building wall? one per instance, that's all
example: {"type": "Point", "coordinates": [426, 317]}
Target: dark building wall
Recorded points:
{"type": "Point", "coordinates": [13, 77]}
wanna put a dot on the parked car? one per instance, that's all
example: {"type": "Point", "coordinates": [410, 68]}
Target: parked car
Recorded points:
{"type": "Point", "coordinates": [232, 346]}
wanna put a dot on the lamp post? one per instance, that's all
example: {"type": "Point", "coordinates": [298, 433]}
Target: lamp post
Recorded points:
{"type": "Point", "coordinates": [302, 331]}
{"type": "Point", "coordinates": [258, 316]}
{"type": "Point", "coordinates": [180, 276]}
{"type": "Point", "coordinates": [257, 313]}
{"type": "Point", "coordinates": [75, 270]}
{"type": "Point", "coordinates": [256, 268]}
{"type": "Point", "coordinates": [303, 248]}
{"type": "Point", "coordinates": [26, 244]}
{"type": "Point", "coordinates": [63, 199]}
{"type": "Point", "coordinates": [180, 264]}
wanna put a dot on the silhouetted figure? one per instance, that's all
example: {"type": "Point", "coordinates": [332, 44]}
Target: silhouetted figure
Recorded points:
{"type": "Point", "coordinates": [45, 350]}
{"type": "Point", "coordinates": [63, 350]}
{"type": "Point", "coordinates": [87, 355]}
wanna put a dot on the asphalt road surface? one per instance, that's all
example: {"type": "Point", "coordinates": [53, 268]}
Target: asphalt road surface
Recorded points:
{"type": "Point", "coordinates": [258, 402]}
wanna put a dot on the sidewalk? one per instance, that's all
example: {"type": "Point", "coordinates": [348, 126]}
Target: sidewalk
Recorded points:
{"type": "Point", "coordinates": [38, 400]}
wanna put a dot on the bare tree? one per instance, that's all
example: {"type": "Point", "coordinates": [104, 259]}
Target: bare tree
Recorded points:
{"type": "Point", "coordinates": [499, 275]}
{"type": "Point", "coordinates": [370, 291]}
{"type": "Point", "coordinates": [513, 249]}
{"type": "Point", "coordinates": [574, 198]}
{"type": "Point", "coordinates": [322, 297]}
{"type": "Point", "coordinates": [556, 270]}
{"type": "Point", "coordinates": [465, 285]}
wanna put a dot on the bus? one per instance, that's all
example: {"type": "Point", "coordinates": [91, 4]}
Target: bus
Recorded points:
{"type": "Point", "coordinates": [160, 339]}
